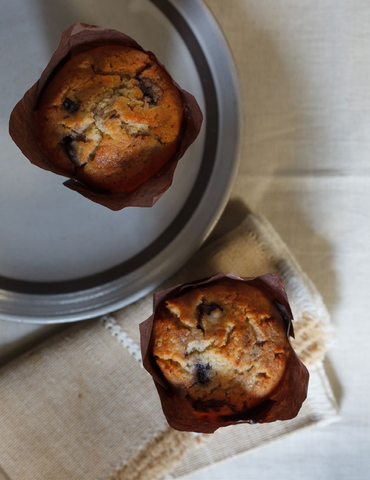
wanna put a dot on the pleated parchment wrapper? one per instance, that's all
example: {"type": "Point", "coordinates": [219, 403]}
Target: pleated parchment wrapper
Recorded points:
{"type": "Point", "coordinates": [78, 38]}
{"type": "Point", "coordinates": [283, 403]}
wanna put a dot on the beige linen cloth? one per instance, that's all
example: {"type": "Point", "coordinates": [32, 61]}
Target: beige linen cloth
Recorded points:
{"type": "Point", "coordinates": [80, 406]}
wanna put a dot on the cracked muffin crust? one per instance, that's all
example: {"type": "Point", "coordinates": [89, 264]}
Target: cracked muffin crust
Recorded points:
{"type": "Point", "coordinates": [111, 118]}
{"type": "Point", "coordinates": [222, 346]}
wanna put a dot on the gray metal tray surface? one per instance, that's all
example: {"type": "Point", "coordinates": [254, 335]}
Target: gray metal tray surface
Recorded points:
{"type": "Point", "coordinates": [64, 258]}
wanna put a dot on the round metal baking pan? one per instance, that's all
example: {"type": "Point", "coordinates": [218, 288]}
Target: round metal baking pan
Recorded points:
{"type": "Point", "coordinates": [45, 302]}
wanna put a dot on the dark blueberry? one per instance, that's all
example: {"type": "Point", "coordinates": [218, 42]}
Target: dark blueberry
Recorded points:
{"type": "Point", "coordinates": [113, 116]}
{"type": "Point", "coordinates": [67, 144]}
{"type": "Point", "coordinates": [70, 105]}
{"type": "Point", "coordinates": [150, 90]}
{"type": "Point", "coordinates": [203, 373]}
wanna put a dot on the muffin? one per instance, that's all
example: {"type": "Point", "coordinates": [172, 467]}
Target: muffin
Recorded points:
{"type": "Point", "coordinates": [110, 118]}
{"type": "Point", "coordinates": [107, 115]}
{"type": "Point", "coordinates": [219, 353]}
{"type": "Point", "coordinates": [223, 346]}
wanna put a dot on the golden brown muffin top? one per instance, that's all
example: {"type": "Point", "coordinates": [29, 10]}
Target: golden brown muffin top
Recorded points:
{"type": "Point", "coordinates": [110, 117]}
{"type": "Point", "coordinates": [222, 346]}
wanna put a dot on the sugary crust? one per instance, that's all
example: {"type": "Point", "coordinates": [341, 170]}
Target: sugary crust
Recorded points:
{"type": "Point", "coordinates": [224, 346]}
{"type": "Point", "coordinates": [110, 117]}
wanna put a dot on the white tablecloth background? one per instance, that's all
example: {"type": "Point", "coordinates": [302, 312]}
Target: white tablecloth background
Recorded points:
{"type": "Point", "coordinates": [304, 70]}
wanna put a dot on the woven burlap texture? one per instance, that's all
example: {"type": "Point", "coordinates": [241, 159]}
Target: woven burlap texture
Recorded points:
{"type": "Point", "coordinates": [80, 406]}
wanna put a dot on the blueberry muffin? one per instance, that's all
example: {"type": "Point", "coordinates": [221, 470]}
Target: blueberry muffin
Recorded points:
{"type": "Point", "coordinates": [222, 346]}
{"type": "Point", "coordinates": [110, 118]}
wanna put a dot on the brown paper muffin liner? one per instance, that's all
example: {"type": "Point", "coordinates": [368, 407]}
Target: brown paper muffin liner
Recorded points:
{"type": "Point", "coordinates": [78, 38]}
{"type": "Point", "coordinates": [283, 403]}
